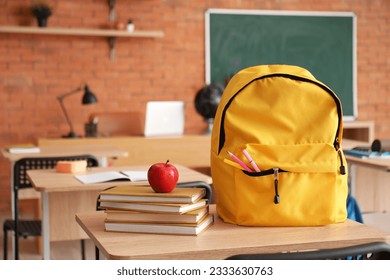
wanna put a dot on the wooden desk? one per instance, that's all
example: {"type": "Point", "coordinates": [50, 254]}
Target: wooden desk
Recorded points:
{"type": "Point", "coordinates": [370, 183]}
{"type": "Point", "coordinates": [188, 150]}
{"type": "Point", "coordinates": [63, 196]}
{"type": "Point", "coordinates": [369, 180]}
{"type": "Point", "coordinates": [378, 164]}
{"type": "Point", "coordinates": [101, 151]}
{"type": "Point", "coordinates": [222, 240]}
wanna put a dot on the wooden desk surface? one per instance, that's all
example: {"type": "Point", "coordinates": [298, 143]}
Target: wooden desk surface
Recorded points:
{"type": "Point", "coordinates": [48, 180]}
{"type": "Point", "coordinates": [222, 240]}
{"type": "Point", "coordinates": [188, 150]}
{"type": "Point", "coordinates": [379, 164]}
{"type": "Point", "coordinates": [96, 150]}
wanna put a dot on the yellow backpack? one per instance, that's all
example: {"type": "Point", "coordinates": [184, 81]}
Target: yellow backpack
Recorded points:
{"type": "Point", "coordinates": [290, 125]}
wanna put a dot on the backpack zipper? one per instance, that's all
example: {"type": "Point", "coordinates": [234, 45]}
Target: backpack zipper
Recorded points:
{"type": "Point", "coordinates": [276, 185]}
{"type": "Point", "coordinates": [275, 171]}
{"type": "Point", "coordinates": [342, 167]}
{"type": "Point", "coordinates": [336, 143]}
{"type": "Point", "coordinates": [293, 77]}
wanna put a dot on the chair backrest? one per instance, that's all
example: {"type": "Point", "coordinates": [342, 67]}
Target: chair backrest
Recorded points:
{"type": "Point", "coordinates": [22, 165]}
{"type": "Point", "coordinates": [369, 251]}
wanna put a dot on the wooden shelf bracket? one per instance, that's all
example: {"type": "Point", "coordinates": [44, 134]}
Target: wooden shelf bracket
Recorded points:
{"type": "Point", "coordinates": [112, 15]}
{"type": "Point", "coordinates": [111, 42]}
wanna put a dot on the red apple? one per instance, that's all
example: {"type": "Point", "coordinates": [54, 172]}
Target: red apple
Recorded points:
{"type": "Point", "coordinates": [163, 177]}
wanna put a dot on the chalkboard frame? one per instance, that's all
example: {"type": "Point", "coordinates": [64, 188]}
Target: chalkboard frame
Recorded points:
{"type": "Point", "coordinates": [350, 97]}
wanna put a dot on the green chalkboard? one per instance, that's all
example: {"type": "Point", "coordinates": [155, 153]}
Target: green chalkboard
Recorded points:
{"type": "Point", "coordinates": [321, 42]}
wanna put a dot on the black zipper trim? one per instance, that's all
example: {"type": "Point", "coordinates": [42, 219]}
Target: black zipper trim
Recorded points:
{"type": "Point", "coordinates": [262, 173]}
{"type": "Point", "coordinates": [276, 186]}
{"type": "Point", "coordinates": [293, 77]}
{"type": "Point", "coordinates": [273, 171]}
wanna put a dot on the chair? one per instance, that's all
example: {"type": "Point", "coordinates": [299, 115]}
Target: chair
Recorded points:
{"type": "Point", "coordinates": [369, 251]}
{"type": "Point", "coordinates": [194, 184]}
{"type": "Point", "coordinates": [27, 228]}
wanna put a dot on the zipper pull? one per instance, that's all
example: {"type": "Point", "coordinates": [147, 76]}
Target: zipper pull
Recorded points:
{"type": "Point", "coordinates": [337, 147]}
{"type": "Point", "coordinates": [342, 167]}
{"type": "Point", "coordinates": [276, 184]}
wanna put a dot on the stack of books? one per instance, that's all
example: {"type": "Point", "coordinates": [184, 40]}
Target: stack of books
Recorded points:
{"type": "Point", "coordinates": [139, 209]}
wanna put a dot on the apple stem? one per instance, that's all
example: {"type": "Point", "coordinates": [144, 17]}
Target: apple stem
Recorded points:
{"type": "Point", "coordinates": [166, 162]}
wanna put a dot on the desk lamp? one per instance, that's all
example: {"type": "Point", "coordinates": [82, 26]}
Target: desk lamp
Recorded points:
{"type": "Point", "coordinates": [88, 98]}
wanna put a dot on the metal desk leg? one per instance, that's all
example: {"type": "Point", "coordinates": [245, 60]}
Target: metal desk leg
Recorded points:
{"type": "Point", "coordinates": [12, 207]}
{"type": "Point", "coordinates": [45, 226]}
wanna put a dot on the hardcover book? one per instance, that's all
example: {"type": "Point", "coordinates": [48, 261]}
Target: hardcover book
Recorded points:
{"type": "Point", "coordinates": [153, 207]}
{"type": "Point", "coordinates": [128, 193]}
{"type": "Point", "coordinates": [180, 229]}
{"type": "Point", "coordinates": [190, 217]}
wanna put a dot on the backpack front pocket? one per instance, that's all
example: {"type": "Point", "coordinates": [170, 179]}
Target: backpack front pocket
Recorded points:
{"type": "Point", "coordinates": [297, 185]}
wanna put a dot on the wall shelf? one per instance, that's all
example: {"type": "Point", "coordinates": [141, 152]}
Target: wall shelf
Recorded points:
{"type": "Point", "coordinates": [112, 34]}
{"type": "Point", "coordinates": [359, 131]}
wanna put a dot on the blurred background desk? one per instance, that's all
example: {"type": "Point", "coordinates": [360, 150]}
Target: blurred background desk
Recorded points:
{"type": "Point", "coordinates": [369, 184]}
{"type": "Point", "coordinates": [369, 180]}
{"type": "Point", "coordinates": [189, 150]}
{"type": "Point", "coordinates": [63, 196]}
{"type": "Point", "coordinates": [101, 152]}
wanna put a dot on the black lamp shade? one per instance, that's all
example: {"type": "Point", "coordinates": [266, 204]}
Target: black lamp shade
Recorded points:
{"type": "Point", "coordinates": [88, 97]}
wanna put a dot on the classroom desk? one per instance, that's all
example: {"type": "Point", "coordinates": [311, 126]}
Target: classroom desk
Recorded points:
{"type": "Point", "coordinates": [369, 180]}
{"type": "Point", "coordinates": [63, 196]}
{"type": "Point", "coordinates": [378, 164]}
{"type": "Point", "coordinates": [381, 164]}
{"type": "Point", "coordinates": [101, 152]}
{"type": "Point", "coordinates": [188, 150]}
{"type": "Point", "coordinates": [222, 240]}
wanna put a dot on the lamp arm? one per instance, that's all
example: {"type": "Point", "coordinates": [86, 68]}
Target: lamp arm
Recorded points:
{"type": "Point", "coordinates": [66, 114]}
{"type": "Point", "coordinates": [69, 93]}
{"type": "Point", "coordinates": [61, 98]}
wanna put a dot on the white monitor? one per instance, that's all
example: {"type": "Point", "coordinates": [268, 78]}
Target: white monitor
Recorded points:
{"type": "Point", "coordinates": [164, 118]}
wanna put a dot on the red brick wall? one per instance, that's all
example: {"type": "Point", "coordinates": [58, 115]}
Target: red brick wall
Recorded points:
{"type": "Point", "coordinates": [35, 69]}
